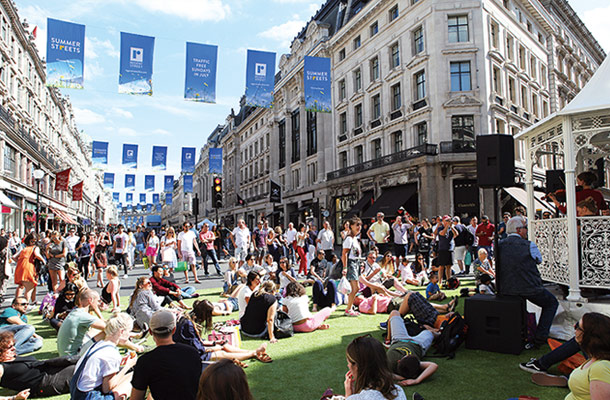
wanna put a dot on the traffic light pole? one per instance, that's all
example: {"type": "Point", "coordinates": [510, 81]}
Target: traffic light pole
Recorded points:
{"type": "Point", "coordinates": [196, 209]}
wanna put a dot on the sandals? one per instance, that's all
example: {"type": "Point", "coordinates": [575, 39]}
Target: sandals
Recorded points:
{"type": "Point", "coordinates": [351, 313]}
{"type": "Point", "coordinates": [240, 364]}
{"type": "Point", "coordinates": [264, 358]}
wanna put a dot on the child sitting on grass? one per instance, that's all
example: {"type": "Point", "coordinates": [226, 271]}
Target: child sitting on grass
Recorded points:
{"type": "Point", "coordinates": [433, 292]}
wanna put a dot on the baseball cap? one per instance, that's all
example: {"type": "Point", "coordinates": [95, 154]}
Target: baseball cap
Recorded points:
{"type": "Point", "coordinates": [162, 321]}
{"type": "Point", "coordinates": [446, 218]}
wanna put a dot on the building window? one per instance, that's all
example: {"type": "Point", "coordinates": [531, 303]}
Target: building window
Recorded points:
{"type": "Point", "coordinates": [522, 57]}
{"type": "Point", "coordinates": [343, 159]}
{"type": "Point", "coordinates": [312, 172]}
{"type": "Point", "coordinates": [393, 13]}
{"type": "Point", "coordinates": [342, 54]}
{"type": "Point", "coordinates": [296, 136]}
{"type": "Point", "coordinates": [397, 140]}
{"type": "Point", "coordinates": [511, 90]}
{"type": "Point", "coordinates": [418, 40]}
{"type": "Point", "coordinates": [460, 76]}
{"type": "Point", "coordinates": [376, 105]}
{"type": "Point", "coordinates": [10, 156]}
{"type": "Point", "coordinates": [376, 149]}
{"type": "Point", "coordinates": [357, 42]}
{"type": "Point", "coordinates": [312, 133]}
{"type": "Point", "coordinates": [358, 115]}
{"type": "Point", "coordinates": [421, 133]}
{"type": "Point", "coordinates": [343, 123]}
{"type": "Point", "coordinates": [497, 80]}
{"type": "Point", "coordinates": [357, 80]}
{"type": "Point", "coordinates": [510, 47]}
{"type": "Point", "coordinates": [533, 68]}
{"type": "Point", "coordinates": [534, 104]}
{"type": "Point", "coordinates": [342, 93]}
{"type": "Point", "coordinates": [359, 154]}
{"type": "Point", "coordinates": [374, 69]}
{"type": "Point", "coordinates": [524, 98]}
{"type": "Point", "coordinates": [420, 85]}
{"type": "Point", "coordinates": [458, 28]}
{"type": "Point", "coordinates": [545, 109]}
{"type": "Point", "coordinates": [494, 31]}
{"type": "Point", "coordinates": [396, 99]}
{"type": "Point", "coordinates": [500, 126]}
{"type": "Point", "coordinates": [374, 29]}
{"type": "Point", "coordinates": [395, 59]}
{"type": "Point", "coordinates": [462, 128]}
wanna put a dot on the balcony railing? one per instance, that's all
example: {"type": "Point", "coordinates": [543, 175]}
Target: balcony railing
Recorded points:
{"type": "Point", "coordinates": [6, 117]}
{"type": "Point", "coordinates": [458, 146]}
{"type": "Point", "coordinates": [414, 152]}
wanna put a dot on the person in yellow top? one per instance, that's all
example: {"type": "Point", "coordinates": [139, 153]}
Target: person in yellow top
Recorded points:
{"type": "Point", "coordinates": [379, 233]}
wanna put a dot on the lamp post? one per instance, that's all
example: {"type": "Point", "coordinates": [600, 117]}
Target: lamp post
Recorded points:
{"type": "Point", "coordinates": [38, 175]}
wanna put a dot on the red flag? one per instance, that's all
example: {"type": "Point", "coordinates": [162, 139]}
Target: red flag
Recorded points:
{"type": "Point", "coordinates": [62, 180]}
{"type": "Point", "coordinates": [77, 192]}
{"type": "Point", "coordinates": [35, 32]}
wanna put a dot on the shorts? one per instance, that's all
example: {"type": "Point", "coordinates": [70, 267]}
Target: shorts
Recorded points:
{"type": "Point", "coordinates": [399, 334]}
{"type": "Point", "coordinates": [140, 247]}
{"type": "Point", "coordinates": [400, 250]}
{"type": "Point", "coordinates": [445, 257]}
{"type": "Point", "coordinates": [459, 252]}
{"type": "Point", "coordinates": [151, 252]}
{"type": "Point", "coordinates": [234, 302]}
{"type": "Point", "coordinates": [421, 309]}
{"type": "Point", "coordinates": [241, 253]}
{"type": "Point", "coordinates": [353, 270]}
{"type": "Point", "coordinates": [188, 257]}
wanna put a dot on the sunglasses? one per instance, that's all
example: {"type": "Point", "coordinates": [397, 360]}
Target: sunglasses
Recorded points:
{"type": "Point", "coordinates": [22, 304]}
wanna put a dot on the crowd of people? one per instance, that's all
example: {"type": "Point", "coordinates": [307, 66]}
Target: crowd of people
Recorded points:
{"type": "Point", "coordinates": [376, 270]}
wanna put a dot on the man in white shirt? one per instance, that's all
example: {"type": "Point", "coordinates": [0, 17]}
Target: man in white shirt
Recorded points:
{"type": "Point", "coordinates": [401, 237]}
{"type": "Point", "coordinates": [187, 244]}
{"type": "Point", "coordinates": [291, 240]}
{"type": "Point", "coordinates": [241, 241]}
{"type": "Point", "coordinates": [72, 240]}
{"type": "Point", "coordinates": [326, 241]}
{"type": "Point", "coordinates": [119, 249]}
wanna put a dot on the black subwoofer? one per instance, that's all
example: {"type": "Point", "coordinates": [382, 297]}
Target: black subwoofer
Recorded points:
{"type": "Point", "coordinates": [495, 161]}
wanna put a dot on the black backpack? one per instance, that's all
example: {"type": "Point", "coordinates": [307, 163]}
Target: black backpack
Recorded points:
{"type": "Point", "coordinates": [453, 333]}
{"type": "Point", "coordinates": [465, 238]}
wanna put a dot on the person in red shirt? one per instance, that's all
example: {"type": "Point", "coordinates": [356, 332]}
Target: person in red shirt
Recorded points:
{"type": "Point", "coordinates": [164, 288]}
{"type": "Point", "coordinates": [585, 180]}
{"type": "Point", "coordinates": [485, 232]}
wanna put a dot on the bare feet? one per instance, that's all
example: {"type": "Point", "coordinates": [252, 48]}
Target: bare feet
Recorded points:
{"type": "Point", "coordinates": [323, 327]}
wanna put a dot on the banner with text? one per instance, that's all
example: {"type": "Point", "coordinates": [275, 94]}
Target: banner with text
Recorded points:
{"type": "Point", "coordinates": [142, 197]}
{"type": "Point", "coordinates": [116, 197]}
{"type": "Point", "coordinates": [158, 206]}
{"type": "Point", "coordinates": [188, 159]}
{"type": "Point", "coordinates": [149, 183]}
{"type": "Point", "coordinates": [168, 185]}
{"type": "Point", "coordinates": [155, 198]}
{"type": "Point", "coordinates": [99, 156]}
{"type": "Point", "coordinates": [130, 155]}
{"type": "Point", "coordinates": [260, 78]}
{"type": "Point", "coordinates": [316, 78]}
{"type": "Point", "coordinates": [108, 180]}
{"type": "Point", "coordinates": [215, 160]}
{"type": "Point", "coordinates": [135, 76]}
{"type": "Point", "coordinates": [77, 191]}
{"type": "Point", "coordinates": [159, 158]}
{"type": "Point", "coordinates": [169, 199]}
{"type": "Point", "coordinates": [130, 182]}
{"type": "Point", "coordinates": [62, 180]}
{"type": "Point", "coordinates": [200, 81]}
{"type": "Point", "coordinates": [65, 54]}
{"type": "Point", "coordinates": [188, 183]}
{"type": "Point", "coordinates": [129, 198]}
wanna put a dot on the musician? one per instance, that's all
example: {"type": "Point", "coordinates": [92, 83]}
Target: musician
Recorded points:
{"type": "Point", "coordinates": [585, 180]}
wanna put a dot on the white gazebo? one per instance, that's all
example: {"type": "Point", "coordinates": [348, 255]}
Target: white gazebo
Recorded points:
{"type": "Point", "coordinates": [579, 135]}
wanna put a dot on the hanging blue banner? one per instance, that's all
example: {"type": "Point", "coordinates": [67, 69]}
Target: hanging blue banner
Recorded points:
{"type": "Point", "coordinates": [188, 183]}
{"type": "Point", "coordinates": [129, 198]}
{"type": "Point", "coordinates": [169, 199]}
{"type": "Point", "coordinates": [116, 197]}
{"type": "Point", "coordinates": [155, 198]}
{"type": "Point", "coordinates": [159, 158]}
{"type": "Point", "coordinates": [138, 207]}
{"type": "Point", "coordinates": [158, 206]}
{"type": "Point", "coordinates": [149, 207]}
{"type": "Point", "coordinates": [135, 76]}
{"type": "Point", "coordinates": [142, 197]}
{"type": "Point", "coordinates": [108, 180]}
{"type": "Point", "coordinates": [130, 182]}
{"type": "Point", "coordinates": [316, 78]}
{"type": "Point", "coordinates": [168, 185]}
{"type": "Point", "coordinates": [260, 78]}
{"type": "Point", "coordinates": [215, 160]}
{"type": "Point", "coordinates": [99, 156]}
{"type": "Point", "coordinates": [130, 155]}
{"type": "Point", "coordinates": [200, 81]}
{"type": "Point", "coordinates": [65, 54]}
{"type": "Point", "coordinates": [149, 183]}
{"type": "Point", "coordinates": [188, 159]}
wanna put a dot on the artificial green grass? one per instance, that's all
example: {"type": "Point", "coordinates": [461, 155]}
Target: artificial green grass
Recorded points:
{"type": "Point", "coordinates": [307, 364]}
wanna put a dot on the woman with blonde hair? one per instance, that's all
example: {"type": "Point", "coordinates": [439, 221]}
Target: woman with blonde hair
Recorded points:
{"type": "Point", "coordinates": [143, 303]}
{"type": "Point", "coordinates": [169, 244]}
{"type": "Point", "coordinates": [57, 250]}
{"type": "Point", "coordinates": [110, 292]}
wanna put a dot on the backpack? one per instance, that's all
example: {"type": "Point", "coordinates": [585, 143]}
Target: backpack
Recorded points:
{"type": "Point", "coordinates": [453, 333]}
{"type": "Point", "coordinates": [465, 238]}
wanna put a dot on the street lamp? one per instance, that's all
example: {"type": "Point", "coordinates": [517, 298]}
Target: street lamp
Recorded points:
{"type": "Point", "coordinates": [38, 175]}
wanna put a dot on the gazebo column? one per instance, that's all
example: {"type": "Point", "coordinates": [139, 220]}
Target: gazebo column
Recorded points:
{"type": "Point", "coordinates": [570, 174]}
{"type": "Point", "coordinates": [529, 188]}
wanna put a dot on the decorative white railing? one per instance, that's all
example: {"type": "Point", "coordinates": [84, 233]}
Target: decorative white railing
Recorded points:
{"type": "Point", "coordinates": [594, 252]}
{"type": "Point", "coordinates": [551, 237]}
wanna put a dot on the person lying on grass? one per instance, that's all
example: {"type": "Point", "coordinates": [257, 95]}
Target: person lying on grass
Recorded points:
{"type": "Point", "coordinates": [425, 313]}
{"type": "Point", "coordinates": [192, 327]}
{"type": "Point", "coordinates": [372, 305]}
{"type": "Point", "coordinates": [296, 305]}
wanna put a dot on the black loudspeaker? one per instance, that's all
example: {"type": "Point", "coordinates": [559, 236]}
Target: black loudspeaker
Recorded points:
{"type": "Point", "coordinates": [495, 323]}
{"type": "Point", "coordinates": [555, 180]}
{"type": "Point", "coordinates": [495, 161]}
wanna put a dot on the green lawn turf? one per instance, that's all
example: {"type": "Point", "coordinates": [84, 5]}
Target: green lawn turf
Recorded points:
{"type": "Point", "coordinates": [307, 364]}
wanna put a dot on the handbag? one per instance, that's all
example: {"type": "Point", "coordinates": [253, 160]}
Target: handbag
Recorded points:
{"type": "Point", "coordinates": [146, 262]}
{"type": "Point", "coordinates": [282, 325]}
{"type": "Point", "coordinates": [344, 287]}
{"type": "Point", "coordinates": [182, 266]}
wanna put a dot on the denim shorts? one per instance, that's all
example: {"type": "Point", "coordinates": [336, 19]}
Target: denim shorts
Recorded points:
{"type": "Point", "coordinates": [353, 270]}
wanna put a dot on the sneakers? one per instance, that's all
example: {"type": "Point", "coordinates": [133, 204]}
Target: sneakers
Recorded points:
{"type": "Point", "coordinates": [417, 396]}
{"type": "Point", "coordinates": [387, 343]}
{"type": "Point", "coordinates": [383, 326]}
{"type": "Point", "coordinates": [125, 276]}
{"type": "Point", "coordinates": [351, 313]}
{"type": "Point", "coordinates": [532, 366]}
{"type": "Point", "coordinates": [531, 346]}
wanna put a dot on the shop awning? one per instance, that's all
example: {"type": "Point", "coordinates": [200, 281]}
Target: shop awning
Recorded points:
{"type": "Point", "coordinates": [361, 205]}
{"type": "Point", "coordinates": [6, 202]}
{"type": "Point", "coordinates": [520, 195]}
{"type": "Point", "coordinates": [64, 217]}
{"type": "Point", "coordinates": [391, 200]}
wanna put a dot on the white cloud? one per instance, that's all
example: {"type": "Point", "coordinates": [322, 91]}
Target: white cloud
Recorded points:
{"type": "Point", "coordinates": [162, 132]}
{"type": "Point", "coordinates": [127, 132]}
{"type": "Point", "coordinates": [94, 46]}
{"type": "Point", "coordinates": [193, 10]}
{"type": "Point", "coordinates": [93, 70]}
{"type": "Point", "coordinates": [283, 33]}
{"type": "Point", "coordinates": [121, 112]}
{"type": "Point", "coordinates": [87, 117]}
{"type": "Point", "coordinates": [597, 22]}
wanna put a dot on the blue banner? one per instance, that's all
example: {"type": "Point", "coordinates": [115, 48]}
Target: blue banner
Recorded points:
{"type": "Point", "coordinates": [135, 76]}
{"type": "Point", "coordinates": [130, 155]}
{"type": "Point", "coordinates": [99, 156]}
{"type": "Point", "coordinates": [130, 182]}
{"type": "Point", "coordinates": [108, 180]}
{"type": "Point", "coordinates": [169, 199]}
{"type": "Point", "coordinates": [149, 183]}
{"type": "Point", "coordinates": [139, 206]}
{"type": "Point", "coordinates": [215, 160]}
{"type": "Point", "coordinates": [142, 197]}
{"type": "Point", "coordinates": [159, 158]}
{"type": "Point", "coordinates": [158, 206]}
{"type": "Point", "coordinates": [149, 207]}
{"type": "Point", "coordinates": [168, 183]}
{"type": "Point", "coordinates": [316, 78]}
{"type": "Point", "coordinates": [260, 78]}
{"type": "Point", "coordinates": [200, 81]}
{"type": "Point", "coordinates": [188, 159]}
{"type": "Point", "coordinates": [116, 197]}
{"type": "Point", "coordinates": [188, 183]}
{"type": "Point", "coordinates": [155, 198]}
{"type": "Point", "coordinates": [65, 54]}
{"type": "Point", "coordinates": [129, 198]}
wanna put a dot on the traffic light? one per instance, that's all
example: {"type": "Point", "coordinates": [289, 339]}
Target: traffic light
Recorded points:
{"type": "Point", "coordinates": [217, 193]}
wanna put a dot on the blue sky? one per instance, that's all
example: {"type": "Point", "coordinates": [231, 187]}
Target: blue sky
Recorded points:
{"type": "Point", "coordinates": [166, 118]}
